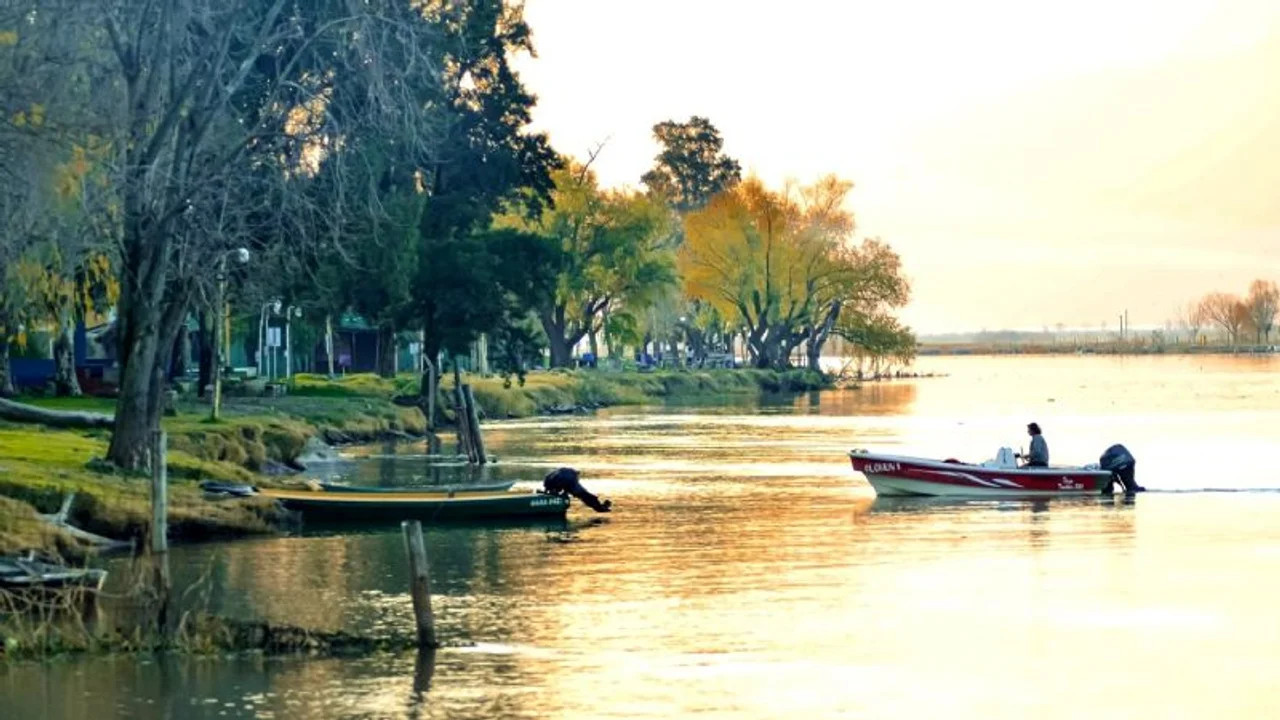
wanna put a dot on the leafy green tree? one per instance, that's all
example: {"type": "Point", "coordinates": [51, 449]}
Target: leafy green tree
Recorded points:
{"type": "Point", "coordinates": [877, 339]}
{"type": "Point", "coordinates": [615, 256]}
{"type": "Point", "coordinates": [690, 167]}
{"type": "Point", "coordinates": [486, 157]}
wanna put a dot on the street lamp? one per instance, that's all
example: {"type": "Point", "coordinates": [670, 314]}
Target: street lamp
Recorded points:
{"type": "Point", "coordinates": [293, 311]}
{"type": "Point", "coordinates": [222, 333]}
{"type": "Point", "coordinates": [274, 307]}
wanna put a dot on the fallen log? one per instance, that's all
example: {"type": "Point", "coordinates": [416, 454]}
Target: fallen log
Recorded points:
{"type": "Point", "coordinates": [21, 412]}
{"type": "Point", "coordinates": [60, 521]}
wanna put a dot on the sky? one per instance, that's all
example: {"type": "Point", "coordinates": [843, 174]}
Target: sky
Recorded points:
{"type": "Point", "coordinates": [1033, 163]}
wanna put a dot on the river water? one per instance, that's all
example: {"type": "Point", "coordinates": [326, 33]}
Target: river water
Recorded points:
{"type": "Point", "coordinates": [749, 573]}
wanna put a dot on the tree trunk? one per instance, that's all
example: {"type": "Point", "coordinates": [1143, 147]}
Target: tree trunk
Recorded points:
{"type": "Point", "coordinates": [428, 390]}
{"type": "Point", "coordinates": [818, 336]}
{"type": "Point", "coordinates": [139, 324]}
{"type": "Point", "coordinates": [182, 351]}
{"type": "Point", "coordinates": [328, 342]}
{"type": "Point", "coordinates": [207, 340]}
{"type": "Point", "coordinates": [758, 347]}
{"type": "Point", "coordinates": [387, 351]}
{"type": "Point", "coordinates": [130, 440]}
{"type": "Point", "coordinates": [560, 346]}
{"type": "Point", "coordinates": [64, 359]}
{"type": "Point", "coordinates": [171, 322]}
{"type": "Point", "coordinates": [6, 372]}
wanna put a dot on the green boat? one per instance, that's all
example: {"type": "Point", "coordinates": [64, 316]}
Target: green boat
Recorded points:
{"type": "Point", "coordinates": [427, 506]}
{"type": "Point", "coordinates": [487, 487]}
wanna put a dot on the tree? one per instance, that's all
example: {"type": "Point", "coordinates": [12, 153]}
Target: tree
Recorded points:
{"type": "Point", "coordinates": [1262, 304]}
{"type": "Point", "coordinates": [870, 285]}
{"type": "Point", "coordinates": [209, 101]}
{"type": "Point", "coordinates": [613, 255]}
{"type": "Point", "coordinates": [486, 158]}
{"type": "Point", "coordinates": [1191, 318]}
{"type": "Point", "coordinates": [15, 305]}
{"type": "Point", "coordinates": [780, 265]}
{"type": "Point", "coordinates": [877, 338]}
{"type": "Point", "coordinates": [1226, 311]}
{"type": "Point", "coordinates": [690, 166]}
{"type": "Point", "coordinates": [42, 116]}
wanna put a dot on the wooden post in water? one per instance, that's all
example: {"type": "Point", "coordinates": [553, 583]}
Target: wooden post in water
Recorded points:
{"type": "Point", "coordinates": [419, 582]}
{"type": "Point", "coordinates": [160, 523]}
{"type": "Point", "coordinates": [461, 419]}
{"type": "Point", "coordinates": [473, 422]}
{"type": "Point", "coordinates": [159, 493]}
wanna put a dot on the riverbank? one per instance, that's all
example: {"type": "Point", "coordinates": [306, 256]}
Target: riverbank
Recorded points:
{"type": "Point", "coordinates": [260, 438]}
{"type": "Point", "coordinates": [554, 391]}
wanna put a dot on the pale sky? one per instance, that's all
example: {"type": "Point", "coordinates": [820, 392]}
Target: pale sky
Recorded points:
{"type": "Point", "coordinates": [1032, 162]}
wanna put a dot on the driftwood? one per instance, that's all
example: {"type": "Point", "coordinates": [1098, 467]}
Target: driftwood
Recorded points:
{"type": "Point", "coordinates": [21, 412]}
{"type": "Point", "coordinates": [59, 520]}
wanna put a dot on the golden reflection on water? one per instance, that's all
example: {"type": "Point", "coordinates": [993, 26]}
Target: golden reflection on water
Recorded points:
{"type": "Point", "coordinates": [748, 573]}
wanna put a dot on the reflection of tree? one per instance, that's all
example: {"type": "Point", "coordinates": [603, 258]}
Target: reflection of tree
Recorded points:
{"type": "Point", "coordinates": [890, 398]}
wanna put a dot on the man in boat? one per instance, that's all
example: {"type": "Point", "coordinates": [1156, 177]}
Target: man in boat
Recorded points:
{"type": "Point", "coordinates": [1039, 455]}
{"type": "Point", "coordinates": [564, 481]}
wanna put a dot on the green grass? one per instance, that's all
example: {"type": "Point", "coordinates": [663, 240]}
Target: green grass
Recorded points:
{"type": "Point", "coordinates": [355, 385]}
{"type": "Point", "coordinates": [40, 466]}
{"type": "Point", "coordinates": [544, 390]}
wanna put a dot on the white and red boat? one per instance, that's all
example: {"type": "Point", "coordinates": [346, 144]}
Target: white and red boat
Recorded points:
{"type": "Point", "coordinates": [900, 475]}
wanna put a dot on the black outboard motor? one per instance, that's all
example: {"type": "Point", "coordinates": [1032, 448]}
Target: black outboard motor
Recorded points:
{"type": "Point", "coordinates": [564, 481]}
{"type": "Point", "coordinates": [1120, 462]}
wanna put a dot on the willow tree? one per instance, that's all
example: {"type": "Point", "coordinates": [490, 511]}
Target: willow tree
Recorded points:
{"type": "Point", "coordinates": [614, 255]}
{"type": "Point", "coordinates": [877, 339]}
{"type": "Point", "coordinates": [782, 266]}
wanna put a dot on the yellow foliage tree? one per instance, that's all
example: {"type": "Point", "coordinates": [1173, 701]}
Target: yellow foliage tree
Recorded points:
{"type": "Point", "coordinates": [613, 259]}
{"type": "Point", "coordinates": [781, 265]}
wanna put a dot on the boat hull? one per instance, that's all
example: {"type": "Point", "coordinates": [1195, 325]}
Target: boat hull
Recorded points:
{"type": "Point", "coordinates": [429, 507]}
{"type": "Point", "coordinates": [488, 487]}
{"type": "Point", "coordinates": [895, 475]}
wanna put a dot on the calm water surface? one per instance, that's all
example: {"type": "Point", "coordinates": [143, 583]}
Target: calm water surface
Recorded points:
{"type": "Point", "coordinates": [748, 573]}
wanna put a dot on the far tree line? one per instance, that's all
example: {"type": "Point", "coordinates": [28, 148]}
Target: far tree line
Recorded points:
{"type": "Point", "coordinates": [376, 158]}
{"type": "Point", "coordinates": [1250, 316]}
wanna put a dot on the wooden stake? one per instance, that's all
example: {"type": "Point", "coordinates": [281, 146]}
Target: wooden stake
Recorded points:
{"type": "Point", "coordinates": [473, 421]}
{"type": "Point", "coordinates": [419, 583]}
{"type": "Point", "coordinates": [461, 419]}
{"type": "Point", "coordinates": [160, 526]}
{"type": "Point", "coordinates": [159, 493]}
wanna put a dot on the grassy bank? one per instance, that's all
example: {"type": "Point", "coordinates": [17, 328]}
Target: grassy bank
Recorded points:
{"type": "Point", "coordinates": [40, 466]}
{"type": "Point", "coordinates": [544, 392]}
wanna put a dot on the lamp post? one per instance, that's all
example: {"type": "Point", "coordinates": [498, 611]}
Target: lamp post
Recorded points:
{"type": "Point", "coordinates": [274, 307]}
{"type": "Point", "coordinates": [221, 333]}
{"type": "Point", "coordinates": [293, 311]}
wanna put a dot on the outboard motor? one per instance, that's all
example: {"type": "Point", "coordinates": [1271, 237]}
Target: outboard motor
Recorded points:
{"type": "Point", "coordinates": [1120, 462]}
{"type": "Point", "coordinates": [564, 481]}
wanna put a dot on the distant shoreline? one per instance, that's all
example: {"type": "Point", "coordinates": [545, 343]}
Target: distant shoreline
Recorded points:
{"type": "Point", "coordinates": [1091, 349]}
